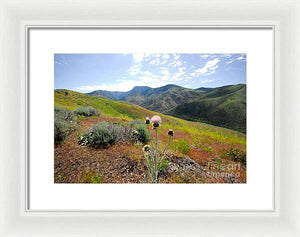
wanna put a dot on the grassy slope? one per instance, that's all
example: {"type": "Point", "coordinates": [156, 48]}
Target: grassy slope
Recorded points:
{"type": "Point", "coordinates": [197, 134]}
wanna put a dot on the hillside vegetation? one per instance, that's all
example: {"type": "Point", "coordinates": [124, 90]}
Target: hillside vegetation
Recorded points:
{"type": "Point", "coordinates": [223, 106]}
{"type": "Point", "coordinates": [207, 146]}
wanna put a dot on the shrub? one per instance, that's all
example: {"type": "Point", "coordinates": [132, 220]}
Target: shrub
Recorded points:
{"type": "Point", "coordinates": [102, 134]}
{"type": "Point", "coordinates": [64, 124]}
{"type": "Point", "coordinates": [125, 134]}
{"type": "Point", "coordinates": [63, 114]}
{"type": "Point", "coordinates": [86, 111]}
{"type": "Point", "coordinates": [143, 134]}
{"type": "Point", "coordinates": [61, 130]}
{"type": "Point", "coordinates": [99, 136]}
{"type": "Point", "coordinates": [181, 146]}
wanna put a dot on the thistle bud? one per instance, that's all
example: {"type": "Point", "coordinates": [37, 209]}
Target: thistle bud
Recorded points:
{"type": "Point", "coordinates": [147, 121]}
{"type": "Point", "coordinates": [146, 148]}
{"type": "Point", "coordinates": [171, 133]}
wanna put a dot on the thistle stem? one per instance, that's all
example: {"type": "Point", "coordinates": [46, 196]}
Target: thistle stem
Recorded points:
{"type": "Point", "coordinates": [156, 155]}
{"type": "Point", "coordinates": [167, 146]}
{"type": "Point", "coordinates": [150, 136]}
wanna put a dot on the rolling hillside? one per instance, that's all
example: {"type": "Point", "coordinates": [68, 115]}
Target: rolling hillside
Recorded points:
{"type": "Point", "coordinates": [117, 109]}
{"type": "Point", "coordinates": [223, 106]}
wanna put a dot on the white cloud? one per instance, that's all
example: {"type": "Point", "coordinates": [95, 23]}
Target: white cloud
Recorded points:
{"type": "Point", "coordinates": [134, 69]}
{"type": "Point", "coordinates": [178, 76]}
{"type": "Point", "coordinates": [152, 70]}
{"type": "Point", "coordinates": [164, 71]}
{"type": "Point", "coordinates": [163, 62]}
{"type": "Point", "coordinates": [241, 57]}
{"type": "Point", "coordinates": [147, 73]}
{"type": "Point", "coordinates": [120, 86]}
{"type": "Point", "coordinates": [208, 69]}
{"type": "Point", "coordinates": [175, 63]}
{"type": "Point", "coordinates": [228, 68]}
{"type": "Point", "coordinates": [181, 69]}
{"type": "Point", "coordinates": [206, 81]}
{"type": "Point", "coordinates": [138, 57]}
{"type": "Point", "coordinates": [176, 56]}
{"type": "Point", "coordinates": [123, 85]}
{"type": "Point", "coordinates": [155, 61]}
{"type": "Point", "coordinates": [205, 56]}
{"type": "Point", "coordinates": [62, 61]}
{"type": "Point", "coordinates": [227, 55]}
{"type": "Point", "coordinates": [166, 56]}
{"type": "Point", "coordinates": [158, 59]}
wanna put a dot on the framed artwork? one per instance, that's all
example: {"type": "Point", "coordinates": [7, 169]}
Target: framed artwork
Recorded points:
{"type": "Point", "coordinates": [180, 125]}
{"type": "Point", "coordinates": [137, 112]}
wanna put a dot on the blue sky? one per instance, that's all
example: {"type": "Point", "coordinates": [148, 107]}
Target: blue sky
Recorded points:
{"type": "Point", "coordinates": [121, 72]}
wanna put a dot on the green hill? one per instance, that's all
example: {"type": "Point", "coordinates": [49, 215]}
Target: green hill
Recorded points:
{"type": "Point", "coordinates": [224, 106]}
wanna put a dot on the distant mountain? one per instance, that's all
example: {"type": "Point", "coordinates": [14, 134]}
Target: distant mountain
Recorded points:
{"type": "Point", "coordinates": [118, 95]}
{"type": "Point", "coordinates": [204, 89]}
{"type": "Point", "coordinates": [222, 106]}
{"type": "Point", "coordinates": [159, 99]}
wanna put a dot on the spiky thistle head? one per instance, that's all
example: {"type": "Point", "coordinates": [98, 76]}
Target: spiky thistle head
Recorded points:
{"type": "Point", "coordinates": [156, 121]}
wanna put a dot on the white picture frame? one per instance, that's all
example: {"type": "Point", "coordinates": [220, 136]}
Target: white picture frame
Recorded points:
{"type": "Point", "coordinates": [283, 17]}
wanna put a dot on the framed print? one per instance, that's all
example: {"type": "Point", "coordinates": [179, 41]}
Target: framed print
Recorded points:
{"type": "Point", "coordinates": [148, 120]}
{"type": "Point", "coordinates": [131, 116]}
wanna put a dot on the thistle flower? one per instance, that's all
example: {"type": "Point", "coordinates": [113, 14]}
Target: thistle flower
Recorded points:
{"type": "Point", "coordinates": [147, 121]}
{"type": "Point", "coordinates": [156, 121]}
{"type": "Point", "coordinates": [146, 148]}
{"type": "Point", "coordinates": [171, 133]}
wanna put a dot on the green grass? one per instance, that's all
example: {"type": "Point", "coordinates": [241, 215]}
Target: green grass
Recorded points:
{"type": "Point", "coordinates": [206, 148]}
{"type": "Point", "coordinates": [181, 146]}
{"type": "Point", "coordinates": [92, 177]}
